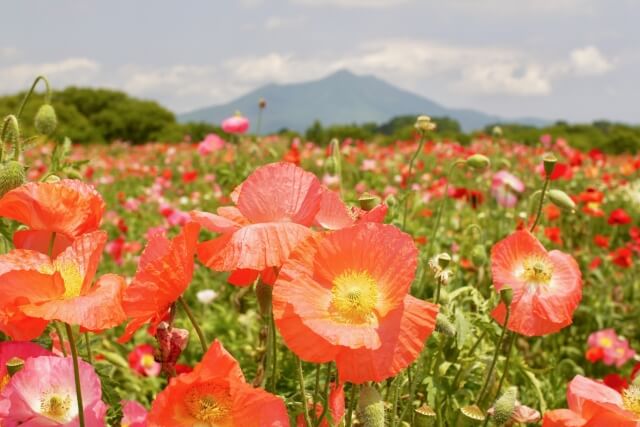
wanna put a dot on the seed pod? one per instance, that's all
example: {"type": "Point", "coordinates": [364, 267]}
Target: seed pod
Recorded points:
{"type": "Point", "coordinates": [561, 200]}
{"type": "Point", "coordinates": [473, 412]}
{"type": "Point", "coordinates": [424, 124]}
{"type": "Point", "coordinates": [478, 162]}
{"type": "Point", "coordinates": [46, 120]}
{"type": "Point", "coordinates": [425, 416]}
{"type": "Point", "coordinates": [478, 255]}
{"type": "Point", "coordinates": [504, 406]}
{"type": "Point", "coordinates": [14, 365]}
{"type": "Point", "coordinates": [370, 407]}
{"type": "Point", "coordinates": [549, 161]}
{"type": "Point", "coordinates": [506, 296]}
{"type": "Point", "coordinates": [12, 175]}
{"type": "Point", "coordinates": [368, 201]}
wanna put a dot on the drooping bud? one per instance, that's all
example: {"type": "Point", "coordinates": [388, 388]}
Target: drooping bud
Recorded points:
{"type": "Point", "coordinates": [562, 200]}
{"type": "Point", "coordinates": [478, 162]}
{"type": "Point", "coordinates": [368, 201]}
{"type": "Point", "coordinates": [549, 161]}
{"type": "Point", "coordinates": [473, 412]}
{"type": "Point", "coordinates": [503, 407]}
{"type": "Point", "coordinates": [14, 365]}
{"type": "Point", "coordinates": [425, 416]}
{"type": "Point", "coordinates": [506, 296]}
{"type": "Point", "coordinates": [370, 407]}
{"type": "Point", "coordinates": [46, 120]}
{"type": "Point", "coordinates": [12, 175]}
{"type": "Point", "coordinates": [444, 326]}
{"type": "Point", "coordinates": [478, 255]}
{"type": "Point", "coordinates": [424, 124]}
{"type": "Point", "coordinates": [12, 134]}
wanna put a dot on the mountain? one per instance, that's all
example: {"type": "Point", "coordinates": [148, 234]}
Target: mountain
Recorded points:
{"type": "Point", "coordinates": [340, 98]}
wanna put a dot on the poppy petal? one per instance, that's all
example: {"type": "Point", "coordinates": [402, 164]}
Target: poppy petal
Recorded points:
{"type": "Point", "coordinates": [40, 241]}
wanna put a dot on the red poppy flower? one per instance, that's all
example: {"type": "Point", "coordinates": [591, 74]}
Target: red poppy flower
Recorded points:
{"type": "Point", "coordinates": [276, 205]}
{"type": "Point", "coordinates": [619, 217]}
{"type": "Point", "coordinates": [164, 273]}
{"type": "Point", "coordinates": [344, 297]}
{"type": "Point", "coordinates": [622, 257]}
{"type": "Point", "coordinates": [69, 208]}
{"type": "Point", "coordinates": [553, 234]}
{"type": "Point", "coordinates": [594, 354]}
{"type": "Point", "coordinates": [215, 393]}
{"type": "Point", "coordinates": [602, 241]}
{"type": "Point", "coordinates": [547, 286]}
{"type": "Point", "coordinates": [36, 289]}
{"type": "Point", "coordinates": [616, 382]}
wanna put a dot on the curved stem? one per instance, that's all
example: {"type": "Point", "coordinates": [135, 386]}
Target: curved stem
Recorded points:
{"type": "Point", "coordinates": [495, 358]}
{"type": "Point", "coordinates": [88, 344]}
{"type": "Point", "coordinates": [505, 371]}
{"type": "Point", "coordinates": [325, 407]}
{"type": "Point", "coordinates": [194, 322]}
{"type": "Point", "coordinates": [352, 404]}
{"type": "Point", "coordinates": [538, 214]}
{"type": "Point", "coordinates": [47, 95]}
{"type": "Point", "coordinates": [411, 162]}
{"type": "Point", "coordinates": [443, 201]}
{"type": "Point", "coordinates": [76, 373]}
{"type": "Point", "coordinates": [305, 407]}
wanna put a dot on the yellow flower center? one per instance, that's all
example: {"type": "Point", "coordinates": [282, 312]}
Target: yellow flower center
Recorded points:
{"type": "Point", "coordinates": [71, 276]}
{"type": "Point", "coordinates": [147, 361]}
{"type": "Point", "coordinates": [209, 403]}
{"type": "Point", "coordinates": [631, 399]}
{"type": "Point", "coordinates": [56, 407]}
{"type": "Point", "coordinates": [606, 342]}
{"type": "Point", "coordinates": [537, 271]}
{"type": "Point", "coordinates": [354, 297]}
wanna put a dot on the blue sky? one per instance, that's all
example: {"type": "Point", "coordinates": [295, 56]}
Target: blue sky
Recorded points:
{"type": "Point", "coordinates": [571, 59]}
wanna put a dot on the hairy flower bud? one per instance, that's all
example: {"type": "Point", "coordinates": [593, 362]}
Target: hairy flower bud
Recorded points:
{"type": "Point", "coordinates": [444, 326]}
{"type": "Point", "coordinates": [503, 407]}
{"type": "Point", "coordinates": [46, 120]}
{"type": "Point", "coordinates": [478, 162]}
{"type": "Point", "coordinates": [478, 255]}
{"type": "Point", "coordinates": [561, 200]}
{"type": "Point", "coordinates": [370, 407]}
{"type": "Point", "coordinates": [12, 175]}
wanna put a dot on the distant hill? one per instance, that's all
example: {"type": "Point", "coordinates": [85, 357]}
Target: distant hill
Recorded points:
{"type": "Point", "coordinates": [340, 98]}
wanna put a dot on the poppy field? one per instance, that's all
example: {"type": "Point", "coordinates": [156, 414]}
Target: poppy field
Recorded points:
{"type": "Point", "coordinates": [251, 280]}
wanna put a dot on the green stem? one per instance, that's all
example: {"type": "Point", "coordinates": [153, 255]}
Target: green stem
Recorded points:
{"type": "Point", "coordinates": [76, 374]}
{"type": "Point", "coordinates": [495, 358]}
{"type": "Point", "coordinates": [316, 392]}
{"type": "Point", "coordinates": [443, 201]}
{"type": "Point", "coordinates": [411, 162]}
{"type": "Point", "coordinates": [88, 344]}
{"type": "Point", "coordinates": [47, 95]}
{"type": "Point", "coordinates": [538, 214]}
{"type": "Point", "coordinates": [471, 351]}
{"type": "Point", "coordinates": [506, 362]}
{"type": "Point", "coordinates": [325, 407]}
{"type": "Point", "coordinates": [394, 406]}
{"type": "Point", "coordinates": [438, 287]}
{"type": "Point", "coordinates": [305, 407]}
{"type": "Point", "coordinates": [194, 322]}
{"type": "Point", "coordinates": [352, 405]}
{"type": "Point", "coordinates": [60, 338]}
{"type": "Point", "coordinates": [274, 353]}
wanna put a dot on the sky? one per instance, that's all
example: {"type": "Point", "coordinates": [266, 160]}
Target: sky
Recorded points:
{"type": "Point", "coordinates": [575, 60]}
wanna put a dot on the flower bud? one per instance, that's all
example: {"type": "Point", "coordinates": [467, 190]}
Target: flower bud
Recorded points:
{"type": "Point", "coordinates": [13, 130]}
{"type": "Point", "coordinates": [73, 173]}
{"type": "Point", "coordinates": [368, 201]}
{"type": "Point", "coordinates": [424, 124]}
{"type": "Point", "coordinates": [561, 200]}
{"type": "Point", "coordinates": [478, 162]}
{"type": "Point", "coordinates": [549, 161]}
{"type": "Point", "coordinates": [425, 416]}
{"type": "Point", "coordinates": [391, 201]}
{"type": "Point", "coordinates": [506, 296]}
{"type": "Point", "coordinates": [46, 120]}
{"type": "Point", "coordinates": [444, 326]}
{"type": "Point", "coordinates": [473, 412]}
{"type": "Point", "coordinates": [262, 103]}
{"type": "Point", "coordinates": [370, 407]}
{"type": "Point", "coordinates": [14, 365]}
{"type": "Point", "coordinates": [478, 255]}
{"type": "Point", "coordinates": [5, 245]}
{"type": "Point", "coordinates": [503, 407]}
{"type": "Point", "coordinates": [12, 175]}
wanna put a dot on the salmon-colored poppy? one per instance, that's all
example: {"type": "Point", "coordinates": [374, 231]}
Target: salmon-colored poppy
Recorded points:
{"type": "Point", "coordinates": [593, 404]}
{"type": "Point", "coordinates": [276, 205]}
{"type": "Point", "coordinates": [35, 289]}
{"type": "Point", "coordinates": [164, 273]}
{"type": "Point", "coordinates": [344, 297]}
{"type": "Point", "coordinates": [215, 393]}
{"type": "Point", "coordinates": [334, 214]}
{"type": "Point", "coordinates": [547, 286]}
{"type": "Point", "coordinates": [68, 208]}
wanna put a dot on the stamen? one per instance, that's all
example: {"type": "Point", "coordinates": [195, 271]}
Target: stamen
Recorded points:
{"type": "Point", "coordinates": [355, 296]}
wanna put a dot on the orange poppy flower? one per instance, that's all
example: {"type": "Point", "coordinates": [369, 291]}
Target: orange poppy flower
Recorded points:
{"type": "Point", "coordinates": [69, 208]}
{"type": "Point", "coordinates": [164, 273]}
{"type": "Point", "coordinates": [344, 297]}
{"type": "Point", "coordinates": [547, 286]}
{"type": "Point", "coordinates": [334, 214]}
{"type": "Point", "coordinates": [215, 393]}
{"type": "Point", "coordinates": [275, 206]}
{"type": "Point", "coordinates": [35, 289]}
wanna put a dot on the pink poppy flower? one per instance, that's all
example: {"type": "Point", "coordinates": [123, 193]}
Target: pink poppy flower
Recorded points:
{"type": "Point", "coordinates": [135, 415]}
{"type": "Point", "coordinates": [616, 350]}
{"type": "Point", "coordinates": [235, 124]}
{"type": "Point", "coordinates": [142, 361]}
{"type": "Point", "coordinates": [20, 349]}
{"type": "Point", "coordinates": [505, 188]}
{"type": "Point", "coordinates": [43, 394]}
{"type": "Point", "coordinates": [209, 144]}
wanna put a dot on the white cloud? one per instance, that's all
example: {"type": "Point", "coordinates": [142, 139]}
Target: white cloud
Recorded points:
{"type": "Point", "coordinates": [505, 78]}
{"type": "Point", "coordinates": [589, 61]}
{"type": "Point", "coordinates": [7, 52]}
{"type": "Point", "coordinates": [61, 73]}
{"type": "Point", "coordinates": [278, 23]}
{"type": "Point", "coordinates": [353, 3]}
